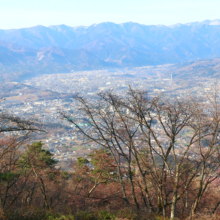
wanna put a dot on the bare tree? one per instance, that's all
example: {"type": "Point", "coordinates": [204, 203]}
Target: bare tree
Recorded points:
{"type": "Point", "coordinates": [11, 123]}
{"type": "Point", "coordinates": [161, 146]}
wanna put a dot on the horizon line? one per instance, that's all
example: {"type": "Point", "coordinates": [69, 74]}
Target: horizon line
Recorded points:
{"type": "Point", "coordinates": [86, 26]}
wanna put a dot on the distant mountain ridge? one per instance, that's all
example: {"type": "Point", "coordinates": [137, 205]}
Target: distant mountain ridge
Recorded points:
{"type": "Point", "coordinates": [106, 45]}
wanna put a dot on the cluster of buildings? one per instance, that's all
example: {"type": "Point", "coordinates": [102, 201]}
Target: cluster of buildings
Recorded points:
{"type": "Point", "coordinates": [61, 137]}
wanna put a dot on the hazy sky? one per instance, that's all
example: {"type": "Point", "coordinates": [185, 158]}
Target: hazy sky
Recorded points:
{"type": "Point", "coordinates": [27, 13]}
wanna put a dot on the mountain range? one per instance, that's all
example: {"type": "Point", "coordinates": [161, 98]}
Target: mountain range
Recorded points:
{"type": "Point", "coordinates": [61, 48]}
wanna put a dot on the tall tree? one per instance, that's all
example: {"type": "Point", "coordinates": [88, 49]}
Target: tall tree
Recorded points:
{"type": "Point", "coordinates": [179, 137]}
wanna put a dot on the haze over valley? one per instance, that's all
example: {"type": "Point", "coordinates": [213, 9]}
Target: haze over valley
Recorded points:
{"type": "Point", "coordinates": [43, 67]}
{"type": "Point", "coordinates": [109, 110]}
{"type": "Point", "coordinates": [56, 49]}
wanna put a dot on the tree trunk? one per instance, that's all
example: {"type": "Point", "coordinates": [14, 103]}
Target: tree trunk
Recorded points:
{"type": "Point", "coordinates": [174, 200]}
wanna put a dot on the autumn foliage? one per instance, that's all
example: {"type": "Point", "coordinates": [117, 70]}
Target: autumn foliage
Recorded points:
{"type": "Point", "coordinates": [155, 159]}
